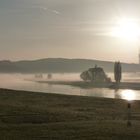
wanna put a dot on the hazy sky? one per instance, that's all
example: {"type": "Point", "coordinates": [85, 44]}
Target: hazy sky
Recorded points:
{"type": "Point", "coordinates": [32, 29]}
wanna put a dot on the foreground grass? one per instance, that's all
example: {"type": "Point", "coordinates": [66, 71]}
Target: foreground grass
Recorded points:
{"type": "Point", "coordinates": [35, 116]}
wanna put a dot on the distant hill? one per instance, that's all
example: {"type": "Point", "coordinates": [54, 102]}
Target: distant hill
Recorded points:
{"type": "Point", "coordinates": [60, 65]}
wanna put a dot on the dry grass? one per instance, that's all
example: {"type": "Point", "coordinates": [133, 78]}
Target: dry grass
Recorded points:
{"type": "Point", "coordinates": [35, 116]}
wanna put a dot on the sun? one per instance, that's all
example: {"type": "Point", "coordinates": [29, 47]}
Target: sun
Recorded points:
{"type": "Point", "coordinates": [126, 29]}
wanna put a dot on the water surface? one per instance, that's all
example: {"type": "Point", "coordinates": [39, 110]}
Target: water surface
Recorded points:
{"type": "Point", "coordinates": [26, 82]}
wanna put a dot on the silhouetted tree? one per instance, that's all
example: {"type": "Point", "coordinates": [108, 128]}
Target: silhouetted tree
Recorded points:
{"type": "Point", "coordinates": [117, 72]}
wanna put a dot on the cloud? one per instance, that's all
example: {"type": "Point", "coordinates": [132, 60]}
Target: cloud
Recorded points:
{"type": "Point", "coordinates": [56, 12]}
{"type": "Point", "coordinates": [46, 9]}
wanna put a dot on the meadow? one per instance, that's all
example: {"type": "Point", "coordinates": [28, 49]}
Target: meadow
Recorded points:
{"type": "Point", "coordinates": [43, 116]}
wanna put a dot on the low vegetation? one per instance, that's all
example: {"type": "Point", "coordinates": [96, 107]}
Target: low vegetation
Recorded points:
{"type": "Point", "coordinates": [37, 116]}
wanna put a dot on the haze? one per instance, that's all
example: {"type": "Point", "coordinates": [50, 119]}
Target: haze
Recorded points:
{"type": "Point", "coordinates": [32, 29]}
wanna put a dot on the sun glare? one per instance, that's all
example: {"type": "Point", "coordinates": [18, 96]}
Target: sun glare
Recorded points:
{"type": "Point", "coordinates": [126, 29]}
{"type": "Point", "coordinates": [128, 95]}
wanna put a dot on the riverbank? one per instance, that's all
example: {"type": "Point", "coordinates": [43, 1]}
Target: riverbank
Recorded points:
{"type": "Point", "coordinates": [31, 115]}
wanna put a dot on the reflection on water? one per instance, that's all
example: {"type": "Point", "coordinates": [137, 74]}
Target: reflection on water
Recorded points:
{"type": "Point", "coordinates": [128, 95]}
{"type": "Point", "coordinates": [18, 82]}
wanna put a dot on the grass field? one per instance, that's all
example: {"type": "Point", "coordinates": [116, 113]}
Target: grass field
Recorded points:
{"type": "Point", "coordinates": [44, 116]}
